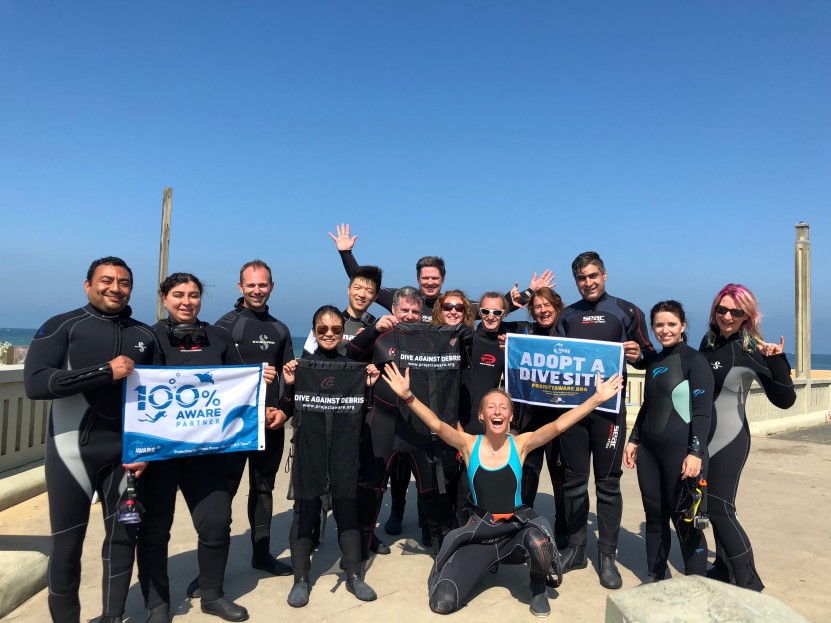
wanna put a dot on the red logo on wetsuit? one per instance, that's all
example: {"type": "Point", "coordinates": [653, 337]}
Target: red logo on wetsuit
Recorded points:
{"type": "Point", "coordinates": [488, 360]}
{"type": "Point", "coordinates": [327, 383]}
{"type": "Point", "coordinates": [613, 433]}
{"type": "Point", "coordinates": [391, 352]}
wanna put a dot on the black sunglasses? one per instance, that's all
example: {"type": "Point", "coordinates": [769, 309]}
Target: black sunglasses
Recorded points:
{"type": "Point", "coordinates": [736, 313]}
{"type": "Point", "coordinates": [459, 307]}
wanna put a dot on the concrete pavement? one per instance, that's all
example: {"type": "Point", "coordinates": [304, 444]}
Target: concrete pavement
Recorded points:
{"type": "Point", "coordinates": [783, 501]}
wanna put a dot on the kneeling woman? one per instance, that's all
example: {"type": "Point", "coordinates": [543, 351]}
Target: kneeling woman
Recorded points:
{"type": "Point", "coordinates": [326, 462]}
{"type": "Point", "coordinates": [502, 530]}
{"type": "Point", "coordinates": [669, 441]}
{"type": "Point", "coordinates": [203, 480]}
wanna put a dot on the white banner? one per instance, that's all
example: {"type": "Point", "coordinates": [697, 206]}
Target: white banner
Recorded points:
{"type": "Point", "coordinates": [172, 412]}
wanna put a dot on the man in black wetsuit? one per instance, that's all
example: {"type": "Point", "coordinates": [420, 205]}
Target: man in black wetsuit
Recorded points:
{"type": "Point", "coordinates": [260, 338]}
{"type": "Point", "coordinates": [601, 436]}
{"type": "Point", "coordinates": [78, 360]}
{"type": "Point", "coordinates": [364, 285]}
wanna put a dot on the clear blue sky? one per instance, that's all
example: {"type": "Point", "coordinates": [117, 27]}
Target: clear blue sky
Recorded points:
{"type": "Point", "coordinates": [682, 141]}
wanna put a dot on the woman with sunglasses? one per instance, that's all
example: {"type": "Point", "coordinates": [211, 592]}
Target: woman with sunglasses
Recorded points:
{"type": "Point", "coordinates": [327, 325]}
{"type": "Point", "coordinates": [738, 355]}
{"type": "Point", "coordinates": [453, 308]}
{"type": "Point", "coordinates": [669, 441]}
{"type": "Point", "coordinates": [203, 480]}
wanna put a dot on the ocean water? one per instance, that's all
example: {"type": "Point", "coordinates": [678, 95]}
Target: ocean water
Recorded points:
{"type": "Point", "coordinates": [22, 337]}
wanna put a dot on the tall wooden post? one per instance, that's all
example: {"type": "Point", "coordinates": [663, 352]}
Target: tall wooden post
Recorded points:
{"type": "Point", "coordinates": [164, 244]}
{"type": "Point", "coordinates": [802, 293]}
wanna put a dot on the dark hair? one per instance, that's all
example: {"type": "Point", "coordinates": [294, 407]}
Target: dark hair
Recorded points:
{"type": "Point", "coordinates": [255, 264]}
{"type": "Point", "coordinates": [177, 279]}
{"type": "Point", "coordinates": [370, 273]}
{"type": "Point", "coordinates": [584, 259]}
{"type": "Point", "coordinates": [549, 295]}
{"type": "Point", "coordinates": [672, 307]}
{"type": "Point", "coordinates": [110, 260]}
{"type": "Point", "coordinates": [430, 261]}
{"type": "Point", "coordinates": [322, 311]}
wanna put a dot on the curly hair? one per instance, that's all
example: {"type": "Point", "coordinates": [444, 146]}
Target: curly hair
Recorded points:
{"type": "Point", "coordinates": [468, 317]}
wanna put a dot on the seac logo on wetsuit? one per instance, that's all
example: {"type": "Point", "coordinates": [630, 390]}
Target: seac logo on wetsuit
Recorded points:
{"type": "Point", "coordinates": [613, 433]}
{"type": "Point", "coordinates": [594, 319]}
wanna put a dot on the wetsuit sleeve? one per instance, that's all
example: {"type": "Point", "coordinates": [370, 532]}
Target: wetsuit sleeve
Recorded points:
{"type": "Point", "coordinates": [43, 376]}
{"type": "Point", "coordinates": [384, 298]}
{"type": "Point", "coordinates": [701, 385]}
{"type": "Point", "coordinates": [637, 332]}
{"type": "Point", "coordinates": [775, 379]}
{"type": "Point", "coordinates": [361, 346]}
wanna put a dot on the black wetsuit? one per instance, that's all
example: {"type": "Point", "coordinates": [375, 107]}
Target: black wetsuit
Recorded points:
{"type": "Point", "coordinates": [260, 338]}
{"type": "Point", "coordinates": [499, 531]}
{"type": "Point", "coordinates": [598, 439]}
{"type": "Point", "coordinates": [673, 422]}
{"type": "Point", "coordinates": [378, 448]}
{"type": "Point", "coordinates": [734, 369]}
{"type": "Point", "coordinates": [68, 364]}
{"type": "Point", "coordinates": [351, 327]}
{"type": "Point", "coordinates": [203, 481]}
{"type": "Point", "coordinates": [332, 467]}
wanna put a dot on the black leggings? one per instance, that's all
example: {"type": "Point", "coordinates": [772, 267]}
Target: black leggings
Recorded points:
{"type": "Point", "coordinates": [659, 466]}
{"type": "Point", "coordinates": [301, 537]}
{"type": "Point", "coordinates": [598, 439]}
{"type": "Point", "coordinates": [73, 473]}
{"type": "Point", "coordinates": [262, 472]}
{"type": "Point", "coordinates": [732, 542]}
{"type": "Point", "coordinates": [204, 485]}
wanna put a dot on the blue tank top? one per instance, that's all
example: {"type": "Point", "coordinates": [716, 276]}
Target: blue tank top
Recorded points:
{"type": "Point", "coordinates": [497, 490]}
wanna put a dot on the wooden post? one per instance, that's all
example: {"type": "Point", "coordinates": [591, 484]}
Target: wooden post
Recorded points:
{"type": "Point", "coordinates": [803, 302]}
{"type": "Point", "coordinates": [164, 245]}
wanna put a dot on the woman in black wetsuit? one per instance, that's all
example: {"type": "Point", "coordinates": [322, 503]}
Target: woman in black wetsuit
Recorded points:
{"type": "Point", "coordinates": [669, 441]}
{"type": "Point", "coordinates": [503, 528]}
{"type": "Point", "coordinates": [738, 355]}
{"type": "Point", "coordinates": [203, 480]}
{"type": "Point", "coordinates": [338, 474]}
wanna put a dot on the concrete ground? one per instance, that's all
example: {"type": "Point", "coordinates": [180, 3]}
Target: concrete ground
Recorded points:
{"type": "Point", "coordinates": [784, 504]}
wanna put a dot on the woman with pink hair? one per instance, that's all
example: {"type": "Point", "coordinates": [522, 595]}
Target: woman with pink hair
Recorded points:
{"type": "Point", "coordinates": [738, 356]}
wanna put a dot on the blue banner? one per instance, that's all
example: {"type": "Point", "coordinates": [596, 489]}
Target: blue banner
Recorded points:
{"type": "Point", "coordinates": [171, 412]}
{"type": "Point", "coordinates": [559, 372]}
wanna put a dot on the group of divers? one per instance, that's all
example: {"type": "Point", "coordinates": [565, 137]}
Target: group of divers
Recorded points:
{"type": "Point", "coordinates": [476, 486]}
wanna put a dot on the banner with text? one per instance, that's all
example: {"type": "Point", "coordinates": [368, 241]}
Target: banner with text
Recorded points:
{"type": "Point", "coordinates": [171, 412]}
{"type": "Point", "coordinates": [559, 372]}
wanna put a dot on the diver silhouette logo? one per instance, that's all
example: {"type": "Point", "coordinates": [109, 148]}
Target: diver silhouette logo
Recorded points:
{"type": "Point", "coordinates": [205, 377]}
{"type": "Point", "coordinates": [153, 419]}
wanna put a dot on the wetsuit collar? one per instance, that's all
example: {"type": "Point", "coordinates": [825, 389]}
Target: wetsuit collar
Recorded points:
{"type": "Point", "coordinates": [671, 349]}
{"type": "Point", "coordinates": [240, 307]}
{"type": "Point", "coordinates": [122, 315]}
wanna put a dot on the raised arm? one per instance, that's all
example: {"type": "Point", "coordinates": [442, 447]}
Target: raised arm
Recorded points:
{"type": "Point", "coordinates": [345, 243]}
{"type": "Point", "coordinates": [400, 384]}
{"type": "Point", "coordinates": [603, 391]}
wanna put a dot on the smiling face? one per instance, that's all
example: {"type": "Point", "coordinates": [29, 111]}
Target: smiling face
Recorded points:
{"type": "Point", "coordinates": [728, 324]}
{"type": "Point", "coordinates": [110, 288]}
{"type": "Point", "coordinates": [591, 282]}
{"type": "Point", "coordinates": [183, 302]}
{"type": "Point", "coordinates": [256, 286]}
{"type": "Point", "coordinates": [361, 294]}
{"type": "Point", "coordinates": [453, 310]}
{"type": "Point", "coordinates": [491, 321]}
{"type": "Point", "coordinates": [430, 282]}
{"type": "Point", "coordinates": [407, 310]}
{"type": "Point", "coordinates": [328, 331]}
{"type": "Point", "coordinates": [543, 311]}
{"type": "Point", "coordinates": [668, 328]}
{"type": "Point", "coordinates": [496, 413]}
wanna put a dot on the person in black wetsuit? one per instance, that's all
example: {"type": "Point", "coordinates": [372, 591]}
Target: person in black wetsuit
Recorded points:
{"type": "Point", "coordinates": [599, 438]}
{"type": "Point", "coordinates": [78, 360]}
{"type": "Point", "coordinates": [671, 432]}
{"type": "Point", "coordinates": [502, 529]}
{"type": "Point", "coordinates": [738, 355]}
{"type": "Point", "coordinates": [337, 449]}
{"type": "Point", "coordinates": [260, 338]}
{"type": "Point", "coordinates": [203, 480]}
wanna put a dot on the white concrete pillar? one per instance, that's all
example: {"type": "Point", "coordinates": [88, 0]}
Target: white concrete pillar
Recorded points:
{"type": "Point", "coordinates": [802, 291]}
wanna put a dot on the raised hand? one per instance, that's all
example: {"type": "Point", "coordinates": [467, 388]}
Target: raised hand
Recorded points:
{"type": "Point", "coordinates": [608, 388]}
{"type": "Point", "coordinates": [288, 372]}
{"type": "Point", "coordinates": [344, 241]}
{"type": "Point", "coordinates": [546, 279]}
{"type": "Point", "coordinates": [769, 349]}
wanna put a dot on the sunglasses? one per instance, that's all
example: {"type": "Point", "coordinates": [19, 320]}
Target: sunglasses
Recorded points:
{"type": "Point", "coordinates": [491, 312]}
{"type": "Point", "coordinates": [459, 307]}
{"type": "Point", "coordinates": [736, 313]}
{"type": "Point", "coordinates": [323, 330]}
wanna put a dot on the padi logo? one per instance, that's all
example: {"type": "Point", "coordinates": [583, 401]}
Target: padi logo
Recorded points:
{"type": "Point", "coordinates": [716, 365]}
{"type": "Point", "coordinates": [560, 349]}
{"type": "Point", "coordinates": [658, 371]}
{"type": "Point", "coordinates": [327, 383]}
{"type": "Point", "coordinates": [263, 342]}
{"type": "Point", "coordinates": [594, 319]}
{"type": "Point", "coordinates": [698, 392]}
{"type": "Point", "coordinates": [141, 347]}
{"type": "Point", "coordinates": [488, 360]}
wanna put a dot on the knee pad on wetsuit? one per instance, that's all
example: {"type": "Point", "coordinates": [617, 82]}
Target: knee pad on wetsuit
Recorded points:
{"type": "Point", "coordinates": [575, 486]}
{"type": "Point", "coordinates": [608, 489]}
{"type": "Point", "coordinates": [213, 521]}
{"type": "Point", "coordinates": [538, 546]}
{"type": "Point", "coordinates": [445, 598]}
